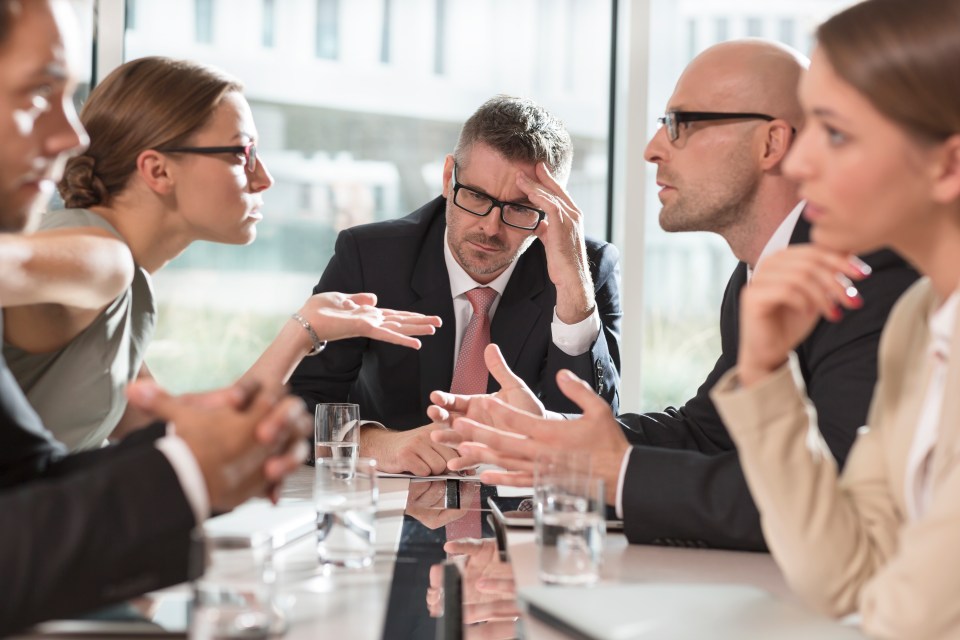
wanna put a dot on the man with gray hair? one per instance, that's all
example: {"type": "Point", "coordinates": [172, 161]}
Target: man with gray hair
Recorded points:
{"type": "Point", "coordinates": [470, 257]}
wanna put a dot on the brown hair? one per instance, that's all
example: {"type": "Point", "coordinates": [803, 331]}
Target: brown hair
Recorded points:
{"type": "Point", "coordinates": [903, 57]}
{"type": "Point", "coordinates": [8, 9]}
{"type": "Point", "coordinates": [143, 104]}
{"type": "Point", "coordinates": [520, 130]}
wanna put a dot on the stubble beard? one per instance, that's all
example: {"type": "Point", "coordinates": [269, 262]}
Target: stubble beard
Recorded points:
{"type": "Point", "coordinates": [714, 212]}
{"type": "Point", "coordinates": [482, 268]}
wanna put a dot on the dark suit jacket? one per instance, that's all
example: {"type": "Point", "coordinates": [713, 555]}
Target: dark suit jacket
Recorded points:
{"type": "Point", "coordinates": [85, 530]}
{"type": "Point", "coordinates": [402, 262]}
{"type": "Point", "coordinates": [684, 485]}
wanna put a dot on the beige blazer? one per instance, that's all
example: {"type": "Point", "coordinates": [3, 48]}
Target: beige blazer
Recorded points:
{"type": "Point", "coordinates": [844, 543]}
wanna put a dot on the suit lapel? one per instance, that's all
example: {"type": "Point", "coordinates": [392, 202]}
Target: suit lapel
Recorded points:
{"type": "Point", "coordinates": [518, 313]}
{"type": "Point", "coordinates": [432, 284]}
{"type": "Point", "coordinates": [730, 311]}
{"type": "Point", "coordinates": [801, 232]}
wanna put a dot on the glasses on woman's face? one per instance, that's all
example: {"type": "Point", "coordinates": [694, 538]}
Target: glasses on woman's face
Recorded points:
{"type": "Point", "coordinates": [249, 152]}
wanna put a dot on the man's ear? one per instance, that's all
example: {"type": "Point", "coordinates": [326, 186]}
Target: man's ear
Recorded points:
{"type": "Point", "coordinates": [779, 137]}
{"type": "Point", "coordinates": [448, 176]}
{"type": "Point", "coordinates": [946, 180]}
{"type": "Point", "coordinates": [154, 168]}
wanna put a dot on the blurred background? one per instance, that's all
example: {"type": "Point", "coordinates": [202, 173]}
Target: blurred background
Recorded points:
{"type": "Point", "coordinates": [358, 101]}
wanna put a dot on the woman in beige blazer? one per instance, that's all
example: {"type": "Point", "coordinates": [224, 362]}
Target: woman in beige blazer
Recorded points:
{"type": "Point", "coordinates": [879, 162]}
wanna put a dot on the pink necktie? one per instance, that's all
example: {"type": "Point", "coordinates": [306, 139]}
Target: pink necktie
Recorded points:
{"type": "Point", "coordinates": [470, 373]}
{"type": "Point", "coordinates": [470, 377]}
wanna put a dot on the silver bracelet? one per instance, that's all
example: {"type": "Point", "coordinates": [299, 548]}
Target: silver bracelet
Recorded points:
{"type": "Point", "coordinates": [318, 344]}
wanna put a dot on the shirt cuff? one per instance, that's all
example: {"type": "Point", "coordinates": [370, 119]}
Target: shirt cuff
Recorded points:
{"type": "Point", "coordinates": [575, 339]}
{"type": "Point", "coordinates": [623, 474]}
{"type": "Point", "coordinates": [188, 472]}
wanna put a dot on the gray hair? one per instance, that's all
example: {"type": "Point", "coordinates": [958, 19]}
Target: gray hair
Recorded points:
{"type": "Point", "coordinates": [521, 131]}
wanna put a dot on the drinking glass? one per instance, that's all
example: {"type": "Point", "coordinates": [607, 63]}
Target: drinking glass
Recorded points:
{"type": "Point", "coordinates": [336, 430]}
{"type": "Point", "coordinates": [569, 516]}
{"type": "Point", "coordinates": [235, 596]}
{"type": "Point", "coordinates": [345, 495]}
{"type": "Point", "coordinates": [550, 466]}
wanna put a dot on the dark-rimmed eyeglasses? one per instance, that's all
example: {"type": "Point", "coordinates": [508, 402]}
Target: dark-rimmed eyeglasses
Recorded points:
{"type": "Point", "coordinates": [249, 152]}
{"type": "Point", "coordinates": [478, 203]}
{"type": "Point", "coordinates": [673, 119]}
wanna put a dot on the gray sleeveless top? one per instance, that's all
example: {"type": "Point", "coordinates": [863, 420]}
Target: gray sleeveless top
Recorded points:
{"type": "Point", "coordinates": [79, 390]}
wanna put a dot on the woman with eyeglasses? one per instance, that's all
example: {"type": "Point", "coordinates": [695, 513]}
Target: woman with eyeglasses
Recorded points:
{"type": "Point", "coordinates": [172, 159]}
{"type": "Point", "coordinates": [879, 163]}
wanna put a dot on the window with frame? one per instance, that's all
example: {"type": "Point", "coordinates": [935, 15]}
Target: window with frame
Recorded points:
{"type": "Point", "coordinates": [349, 140]}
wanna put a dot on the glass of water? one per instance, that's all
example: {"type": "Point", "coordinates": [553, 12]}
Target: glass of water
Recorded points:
{"type": "Point", "coordinates": [571, 527]}
{"type": "Point", "coordinates": [235, 596]}
{"type": "Point", "coordinates": [345, 494]}
{"type": "Point", "coordinates": [336, 430]}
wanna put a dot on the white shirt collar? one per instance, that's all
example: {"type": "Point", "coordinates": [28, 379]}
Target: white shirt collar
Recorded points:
{"type": "Point", "coordinates": [780, 239]}
{"type": "Point", "coordinates": [460, 280]}
{"type": "Point", "coordinates": [942, 322]}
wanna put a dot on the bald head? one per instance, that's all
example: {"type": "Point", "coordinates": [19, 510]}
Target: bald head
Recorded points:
{"type": "Point", "coordinates": [725, 175]}
{"type": "Point", "coordinates": [744, 76]}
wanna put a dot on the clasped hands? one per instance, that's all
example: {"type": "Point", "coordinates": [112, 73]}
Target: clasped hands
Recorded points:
{"type": "Point", "coordinates": [245, 438]}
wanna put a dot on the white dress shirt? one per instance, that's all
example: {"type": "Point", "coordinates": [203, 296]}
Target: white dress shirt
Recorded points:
{"type": "Point", "coordinates": [779, 240]}
{"type": "Point", "coordinates": [572, 339]}
{"type": "Point", "coordinates": [188, 472]}
{"type": "Point", "coordinates": [918, 477]}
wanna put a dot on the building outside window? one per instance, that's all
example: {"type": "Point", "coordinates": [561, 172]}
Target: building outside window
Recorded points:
{"type": "Point", "coordinates": [351, 140]}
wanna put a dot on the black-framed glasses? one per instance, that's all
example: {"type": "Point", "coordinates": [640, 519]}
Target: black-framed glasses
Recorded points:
{"type": "Point", "coordinates": [249, 152]}
{"type": "Point", "coordinates": [673, 119]}
{"type": "Point", "coordinates": [478, 203]}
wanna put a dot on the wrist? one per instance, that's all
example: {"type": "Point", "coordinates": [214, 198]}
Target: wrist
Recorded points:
{"type": "Point", "coordinates": [370, 435]}
{"type": "Point", "coordinates": [750, 373]}
{"type": "Point", "coordinates": [611, 474]}
{"type": "Point", "coordinates": [315, 344]}
{"type": "Point", "coordinates": [574, 311]}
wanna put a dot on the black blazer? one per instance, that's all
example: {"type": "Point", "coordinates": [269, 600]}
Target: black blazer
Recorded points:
{"type": "Point", "coordinates": [402, 262]}
{"type": "Point", "coordinates": [85, 530]}
{"type": "Point", "coordinates": [684, 485]}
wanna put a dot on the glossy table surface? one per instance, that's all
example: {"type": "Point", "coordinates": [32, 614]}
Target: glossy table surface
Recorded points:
{"type": "Point", "coordinates": [402, 596]}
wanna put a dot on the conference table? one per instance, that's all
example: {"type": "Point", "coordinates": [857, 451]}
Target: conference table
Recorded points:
{"type": "Point", "coordinates": [410, 593]}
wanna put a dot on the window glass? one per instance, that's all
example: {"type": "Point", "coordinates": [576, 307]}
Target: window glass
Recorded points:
{"type": "Point", "coordinates": [84, 64]}
{"type": "Point", "coordinates": [268, 33]}
{"type": "Point", "coordinates": [203, 21]}
{"type": "Point", "coordinates": [357, 103]}
{"type": "Point", "coordinates": [685, 273]}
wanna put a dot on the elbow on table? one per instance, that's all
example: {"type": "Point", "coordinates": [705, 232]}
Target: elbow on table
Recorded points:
{"type": "Point", "coordinates": [821, 590]}
{"type": "Point", "coordinates": [909, 615]}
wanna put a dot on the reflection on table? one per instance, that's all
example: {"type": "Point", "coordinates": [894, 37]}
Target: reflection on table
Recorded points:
{"type": "Point", "coordinates": [411, 592]}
